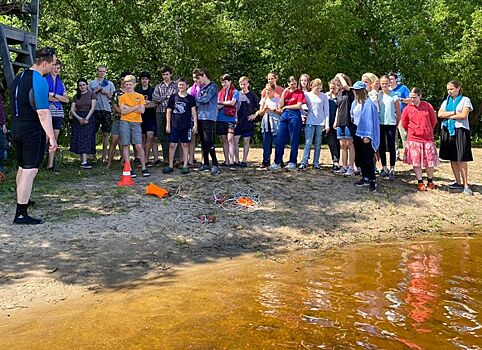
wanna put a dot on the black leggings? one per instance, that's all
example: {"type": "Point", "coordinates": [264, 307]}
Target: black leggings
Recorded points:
{"type": "Point", "coordinates": [388, 133]}
{"type": "Point", "coordinates": [364, 154]}
{"type": "Point", "coordinates": [334, 144]}
{"type": "Point", "coordinates": [206, 134]}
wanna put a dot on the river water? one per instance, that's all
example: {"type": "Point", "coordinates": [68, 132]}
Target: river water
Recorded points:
{"type": "Point", "coordinates": [404, 295]}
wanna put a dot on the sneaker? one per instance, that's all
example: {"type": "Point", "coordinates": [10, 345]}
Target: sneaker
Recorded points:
{"type": "Point", "coordinates": [335, 168]}
{"type": "Point", "coordinates": [316, 167]}
{"type": "Point", "coordinates": [456, 186]}
{"type": "Point", "coordinates": [349, 172]}
{"type": "Point", "coordinates": [52, 170]}
{"type": "Point", "coordinates": [158, 162]}
{"type": "Point", "coordinates": [133, 174]}
{"type": "Point", "coordinates": [137, 161]}
{"type": "Point", "coordinates": [149, 164]}
{"type": "Point", "coordinates": [431, 186]}
{"type": "Point", "coordinates": [204, 168]}
{"type": "Point", "coordinates": [384, 173]}
{"type": "Point", "coordinates": [362, 183]}
{"type": "Point", "coordinates": [86, 165]}
{"type": "Point", "coordinates": [302, 166]}
{"type": "Point", "coordinates": [290, 166]}
{"type": "Point", "coordinates": [185, 170]}
{"type": "Point", "coordinates": [145, 173]}
{"type": "Point", "coordinates": [215, 171]}
{"type": "Point", "coordinates": [232, 167]}
{"type": "Point", "coordinates": [341, 171]}
{"type": "Point", "coordinates": [467, 191]}
{"type": "Point", "coordinates": [357, 171]}
{"type": "Point", "coordinates": [372, 186]}
{"type": "Point", "coordinates": [421, 186]}
{"type": "Point", "coordinates": [167, 170]}
{"type": "Point", "coordinates": [224, 164]}
{"type": "Point", "coordinates": [243, 165]}
{"type": "Point", "coordinates": [27, 220]}
{"type": "Point", "coordinates": [274, 167]}
{"type": "Point", "coordinates": [264, 165]}
{"type": "Point", "coordinates": [391, 175]}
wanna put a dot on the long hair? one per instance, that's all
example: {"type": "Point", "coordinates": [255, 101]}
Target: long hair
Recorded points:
{"type": "Point", "coordinates": [308, 79]}
{"type": "Point", "coordinates": [361, 95]}
{"type": "Point", "coordinates": [457, 85]}
{"type": "Point", "coordinates": [79, 94]}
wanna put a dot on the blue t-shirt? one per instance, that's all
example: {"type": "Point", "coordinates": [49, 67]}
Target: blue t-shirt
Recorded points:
{"type": "Point", "coordinates": [29, 93]}
{"type": "Point", "coordinates": [226, 118]}
{"type": "Point", "coordinates": [402, 92]}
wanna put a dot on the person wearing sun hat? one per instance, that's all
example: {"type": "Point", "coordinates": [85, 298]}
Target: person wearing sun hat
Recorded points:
{"type": "Point", "coordinates": [364, 115]}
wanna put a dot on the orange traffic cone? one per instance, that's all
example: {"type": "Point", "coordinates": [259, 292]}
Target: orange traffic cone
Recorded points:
{"type": "Point", "coordinates": [156, 191]}
{"type": "Point", "coordinates": [126, 179]}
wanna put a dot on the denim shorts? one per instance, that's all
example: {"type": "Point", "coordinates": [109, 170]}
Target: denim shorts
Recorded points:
{"type": "Point", "coordinates": [343, 133]}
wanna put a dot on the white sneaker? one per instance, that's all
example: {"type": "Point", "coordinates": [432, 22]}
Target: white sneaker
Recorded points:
{"type": "Point", "coordinates": [274, 167]}
{"type": "Point", "coordinates": [290, 166]}
{"type": "Point", "coordinates": [349, 172]}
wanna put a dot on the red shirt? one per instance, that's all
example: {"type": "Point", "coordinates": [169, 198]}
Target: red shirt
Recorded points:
{"type": "Point", "coordinates": [419, 122]}
{"type": "Point", "coordinates": [292, 98]}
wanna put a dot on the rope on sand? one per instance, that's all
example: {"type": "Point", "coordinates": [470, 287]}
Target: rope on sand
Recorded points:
{"type": "Point", "coordinates": [232, 196]}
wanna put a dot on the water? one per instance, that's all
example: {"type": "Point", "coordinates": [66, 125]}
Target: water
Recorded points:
{"type": "Point", "coordinates": [415, 295]}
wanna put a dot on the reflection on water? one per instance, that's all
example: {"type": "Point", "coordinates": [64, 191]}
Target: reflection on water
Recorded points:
{"type": "Point", "coordinates": [424, 295]}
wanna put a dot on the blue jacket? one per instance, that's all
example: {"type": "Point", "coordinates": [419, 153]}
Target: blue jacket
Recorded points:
{"type": "Point", "coordinates": [207, 102]}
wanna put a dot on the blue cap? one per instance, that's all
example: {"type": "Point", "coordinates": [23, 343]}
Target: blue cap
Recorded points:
{"type": "Point", "coordinates": [359, 85]}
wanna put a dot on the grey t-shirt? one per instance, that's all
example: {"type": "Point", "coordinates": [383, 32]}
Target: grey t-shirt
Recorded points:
{"type": "Point", "coordinates": [103, 102]}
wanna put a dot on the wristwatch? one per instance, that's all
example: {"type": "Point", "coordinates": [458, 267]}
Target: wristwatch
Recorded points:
{"type": "Point", "coordinates": [53, 95]}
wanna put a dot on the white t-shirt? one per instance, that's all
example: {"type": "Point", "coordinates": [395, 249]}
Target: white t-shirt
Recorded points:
{"type": "Point", "coordinates": [465, 102]}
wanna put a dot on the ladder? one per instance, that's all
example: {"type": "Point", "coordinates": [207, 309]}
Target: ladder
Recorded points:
{"type": "Point", "coordinates": [17, 46]}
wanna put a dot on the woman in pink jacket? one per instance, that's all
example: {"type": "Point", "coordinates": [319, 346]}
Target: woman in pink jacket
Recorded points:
{"type": "Point", "coordinates": [419, 119]}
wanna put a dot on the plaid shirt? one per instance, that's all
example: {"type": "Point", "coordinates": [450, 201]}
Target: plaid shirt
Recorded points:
{"type": "Point", "coordinates": [161, 95]}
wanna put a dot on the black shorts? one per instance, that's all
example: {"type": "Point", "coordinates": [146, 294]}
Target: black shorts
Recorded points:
{"type": "Point", "coordinates": [103, 121]}
{"type": "Point", "coordinates": [222, 128]}
{"type": "Point", "coordinates": [149, 124]}
{"type": "Point", "coordinates": [29, 141]}
{"type": "Point", "coordinates": [456, 148]}
{"type": "Point", "coordinates": [183, 136]}
{"type": "Point", "coordinates": [57, 123]}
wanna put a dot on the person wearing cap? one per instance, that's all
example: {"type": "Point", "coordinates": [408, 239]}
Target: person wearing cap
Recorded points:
{"type": "Point", "coordinates": [366, 140]}
{"type": "Point", "coordinates": [132, 105]}
{"type": "Point", "coordinates": [31, 127]}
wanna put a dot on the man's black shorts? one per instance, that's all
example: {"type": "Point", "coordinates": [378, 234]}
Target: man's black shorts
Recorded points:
{"type": "Point", "coordinates": [30, 142]}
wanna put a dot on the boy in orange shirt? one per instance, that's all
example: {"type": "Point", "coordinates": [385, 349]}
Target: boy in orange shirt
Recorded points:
{"type": "Point", "coordinates": [132, 105]}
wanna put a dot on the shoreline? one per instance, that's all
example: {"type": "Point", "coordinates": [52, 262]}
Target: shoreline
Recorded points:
{"type": "Point", "coordinates": [98, 237]}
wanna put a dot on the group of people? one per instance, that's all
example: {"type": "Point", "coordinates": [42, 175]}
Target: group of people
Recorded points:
{"type": "Point", "coordinates": [359, 122]}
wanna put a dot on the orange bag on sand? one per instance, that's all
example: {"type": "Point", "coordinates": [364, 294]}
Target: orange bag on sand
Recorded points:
{"type": "Point", "coordinates": [154, 190]}
{"type": "Point", "coordinates": [245, 202]}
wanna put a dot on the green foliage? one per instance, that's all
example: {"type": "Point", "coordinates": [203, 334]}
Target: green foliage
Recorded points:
{"type": "Point", "coordinates": [428, 42]}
